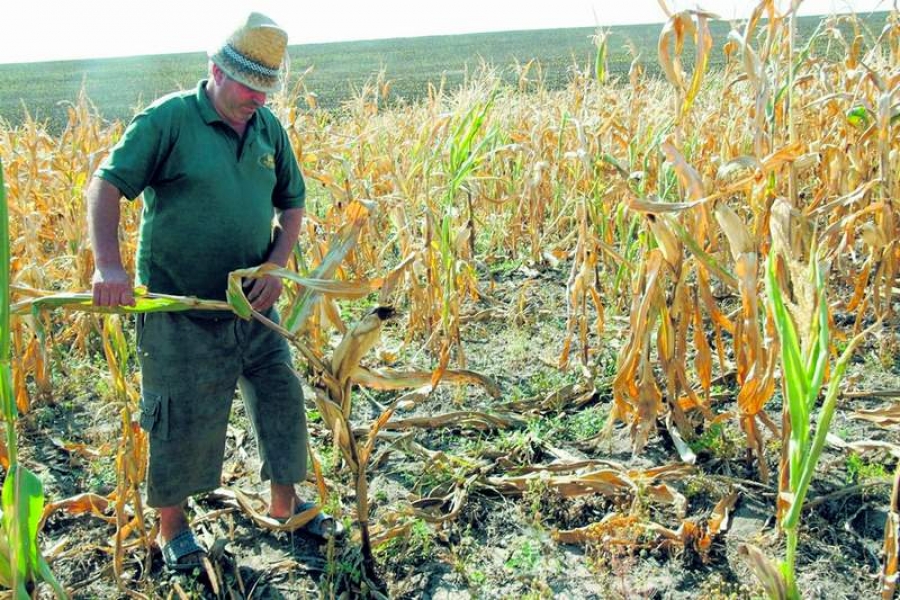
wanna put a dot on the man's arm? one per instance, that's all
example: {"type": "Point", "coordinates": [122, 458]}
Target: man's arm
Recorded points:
{"type": "Point", "coordinates": [265, 291]}
{"type": "Point", "coordinates": [111, 283]}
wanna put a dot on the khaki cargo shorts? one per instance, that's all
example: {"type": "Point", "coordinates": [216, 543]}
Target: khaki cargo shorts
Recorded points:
{"type": "Point", "coordinates": [190, 367]}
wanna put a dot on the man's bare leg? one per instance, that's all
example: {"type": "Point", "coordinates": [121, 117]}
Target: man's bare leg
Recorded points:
{"type": "Point", "coordinates": [173, 521]}
{"type": "Point", "coordinates": [284, 500]}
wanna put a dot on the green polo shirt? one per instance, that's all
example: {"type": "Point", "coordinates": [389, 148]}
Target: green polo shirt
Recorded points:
{"type": "Point", "coordinates": [209, 196]}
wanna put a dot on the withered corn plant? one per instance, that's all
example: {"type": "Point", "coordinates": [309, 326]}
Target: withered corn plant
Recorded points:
{"type": "Point", "coordinates": [664, 307]}
{"type": "Point", "coordinates": [131, 455]}
{"type": "Point", "coordinates": [334, 379]}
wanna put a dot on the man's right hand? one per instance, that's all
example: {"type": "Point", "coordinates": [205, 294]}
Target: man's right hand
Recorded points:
{"type": "Point", "coordinates": [112, 287]}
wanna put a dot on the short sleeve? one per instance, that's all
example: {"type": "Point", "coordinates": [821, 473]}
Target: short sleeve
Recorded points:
{"type": "Point", "coordinates": [290, 189]}
{"type": "Point", "coordinates": [134, 161]}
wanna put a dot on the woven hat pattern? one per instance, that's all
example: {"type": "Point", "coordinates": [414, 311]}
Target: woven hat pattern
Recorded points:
{"type": "Point", "coordinates": [253, 54]}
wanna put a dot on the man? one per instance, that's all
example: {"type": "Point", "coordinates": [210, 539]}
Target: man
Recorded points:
{"type": "Point", "coordinates": [214, 166]}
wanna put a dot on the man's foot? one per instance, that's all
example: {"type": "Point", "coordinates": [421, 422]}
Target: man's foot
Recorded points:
{"type": "Point", "coordinates": [285, 505]}
{"type": "Point", "coordinates": [183, 552]}
{"type": "Point", "coordinates": [322, 525]}
{"type": "Point", "coordinates": [180, 548]}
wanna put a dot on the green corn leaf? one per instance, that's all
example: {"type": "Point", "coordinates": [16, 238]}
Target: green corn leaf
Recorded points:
{"type": "Point", "coordinates": [47, 575]}
{"type": "Point", "coordinates": [144, 303]}
{"type": "Point", "coordinates": [23, 503]}
{"type": "Point", "coordinates": [6, 578]}
{"type": "Point", "coordinates": [819, 351]}
{"type": "Point", "coordinates": [7, 400]}
{"type": "Point", "coordinates": [826, 413]}
{"type": "Point", "coordinates": [600, 59]}
{"type": "Point", "coordinates": [341, 244]}
{"type": "Point", "coordinates": [4, 271]}
{"type": "Point", "coordinates": [794, 373]}
{"type": "Point", "coordinates": [237, 299]}
{"type": "Point", "coordinates": [858, 116]}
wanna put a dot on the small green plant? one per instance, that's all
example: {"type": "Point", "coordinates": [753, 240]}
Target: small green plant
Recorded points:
{"type": "Point", "coordinates": [414, 548]}
{"type": "Point", "coordinates": [717, 588]}
{"type": "Point", "coordinates": [701, 486]}
{"type": "Point", "coordinates": [804, 366]}
{"type": "Point", "coordinates": [547, 380]}
{"type": "Point", "coordinates": [859, 470]}
{"type": "Point", "coordinates": [503, 268]}
{"type": "Point", "coordinates": [524, 559]}
{"type": "Point", "coordinates": [717, 441]}
{"type": "Point", "coordinates": [588, 422]}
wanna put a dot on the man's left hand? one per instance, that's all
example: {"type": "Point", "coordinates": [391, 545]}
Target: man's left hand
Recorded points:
{"type": "Point", "coordinates": [264, 292]}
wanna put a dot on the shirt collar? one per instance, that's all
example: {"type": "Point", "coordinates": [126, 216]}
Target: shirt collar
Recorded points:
{"type": "Point", "coordinates": [209, 113]}
{"type": "Point", "coordinates": [207, 110]}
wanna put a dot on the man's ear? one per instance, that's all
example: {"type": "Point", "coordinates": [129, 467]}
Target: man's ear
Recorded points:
{"type": "Point", "coordinates": [218, 74]}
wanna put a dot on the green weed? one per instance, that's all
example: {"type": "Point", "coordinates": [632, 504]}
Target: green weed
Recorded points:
{"type": "Point", "coordinates": [860, 470]}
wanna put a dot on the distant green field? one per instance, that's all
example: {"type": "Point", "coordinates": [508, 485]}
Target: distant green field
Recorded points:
{"type": "Point", "coordinates": [121, 85]}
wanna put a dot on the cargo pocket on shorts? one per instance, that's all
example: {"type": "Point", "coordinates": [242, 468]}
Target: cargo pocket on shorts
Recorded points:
{"type": "Point", "coordinates": [155, 414]}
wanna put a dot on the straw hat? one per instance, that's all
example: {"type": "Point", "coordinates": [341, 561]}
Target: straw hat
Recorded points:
{"type": "Point", "coordinates": [253, 53]}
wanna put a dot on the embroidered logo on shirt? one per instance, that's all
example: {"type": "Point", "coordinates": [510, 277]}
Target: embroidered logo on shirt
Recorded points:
{"type": "Point", "coordinates": [267, 161]}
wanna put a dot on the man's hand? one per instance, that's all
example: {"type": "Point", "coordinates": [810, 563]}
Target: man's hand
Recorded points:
{"type": "Point", "coordinates": [112, 287]}
{"type": "Point", "coordinates": [263, 292]}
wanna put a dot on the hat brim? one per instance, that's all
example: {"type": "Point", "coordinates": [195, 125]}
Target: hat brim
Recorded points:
{"type": "Point", "coordinates": [254, 81]}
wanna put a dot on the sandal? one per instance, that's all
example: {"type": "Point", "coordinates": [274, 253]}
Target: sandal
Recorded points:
{"type": "Point", "coordinates": [183, 545]}
{"type": "Point", "coordinates": [322, 525]}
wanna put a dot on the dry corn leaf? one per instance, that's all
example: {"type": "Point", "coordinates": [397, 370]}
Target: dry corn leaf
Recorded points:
{"type": "Point", "coordinates": [703, 44]}
{"type": "Point", "coordinates": [768, 574]}
{"type": "Point", "coordinates": [381, 536]}
{"type": "Point", "coordinates": [606, 482]}
{"type": "Point", "coordinates": [608, 531]}
{"type": "Point", "coordinates": [741, 165]}
{"type": "Point", "coordinates": [702, 352]}
{"type": "Point", "coordinates": [652, 205]}
{"type": "Point", "coordinates": [717, 523]}
{"type": "Point", "coordinates": [782, 156]}
{"type": "Point", "coordinates": [864, 446]}
{"type": "Point", "coordinates": [668, 242]}
{"type": "Point", "coordinates": [263, 520]}
{"type": "Point", "coordinates": [883, 417]}
{"type": "Point", "coordinates": [687, 175]}
{"type": "Point", "coordinates": [740, 241]}
{"type": "Point", "coordinates": [79, 504]}
{"type": "Point", "coordinates": [648, 407]}
{"type": "Point", "coordinates": [466, 418]}
{"type": "Point", "coordinates": [890, 570]}
{"type": "Point", "coordinates": [684, 450]}
{"type": "Point", "coordinates": [391, 379]}
{"type": "Point", "coordinates": [357, 343]}
{"type": "Point", "coordinates": [332, 314]}
{"type": "Point", "coordinates": [432, 509]}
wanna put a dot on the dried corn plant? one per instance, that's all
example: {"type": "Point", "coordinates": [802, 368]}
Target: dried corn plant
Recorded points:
{"type": "Point", "coordinates": [131, 454]}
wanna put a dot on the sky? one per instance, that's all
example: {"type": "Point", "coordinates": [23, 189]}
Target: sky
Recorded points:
{"type": "Point", "coordinates": [38, 30]}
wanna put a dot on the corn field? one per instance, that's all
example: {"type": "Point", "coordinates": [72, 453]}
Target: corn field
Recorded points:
{"type": "Point", "coordinates": [726, 242]}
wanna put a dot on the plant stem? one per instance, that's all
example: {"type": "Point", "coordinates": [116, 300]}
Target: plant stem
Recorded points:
{"type": "Point", "coordinates": [791, 537]}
